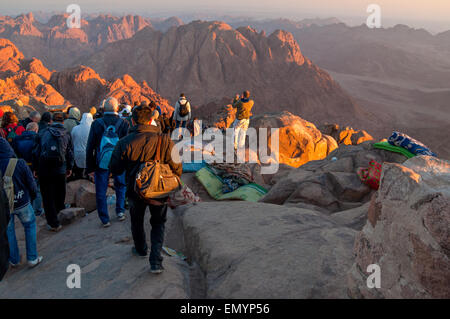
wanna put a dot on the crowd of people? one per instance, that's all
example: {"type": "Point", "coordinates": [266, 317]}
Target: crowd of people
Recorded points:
{"type": "Point", "coordinates": [41, 153]}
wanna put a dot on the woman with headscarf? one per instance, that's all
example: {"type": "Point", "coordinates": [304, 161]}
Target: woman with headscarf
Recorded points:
{"type": "Point", "coordinates": [73, 120]}
{"type": "Point", "coordinates": [80, 134]}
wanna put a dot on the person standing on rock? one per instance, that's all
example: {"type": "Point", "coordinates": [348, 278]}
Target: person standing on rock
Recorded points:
{"type": "Point", "coordinates": [53, 162]}
{"type": "Point", "coordinates": [103, 136]}
{"type": "Point", "coordinates": [24, 192]}
{"type": "Point", "coordinates": [130, 153]}
{"type": "Point", "coordinates": [182, 113]}
{"type": "Point", "coordinates": [80, 135]}
{"type": "Point", "coordinates": [243, 113]}
{"type": "Point", "coordinates": [23, 146]}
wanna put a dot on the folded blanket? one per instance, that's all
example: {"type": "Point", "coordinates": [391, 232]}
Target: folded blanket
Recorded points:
{"type": "Point", "coordinates": [396, 149]}
{"type": "Point", "coordinates": [238, 172]}
{"type": "Point", "coordinates": [214, 186]}
{"type": "Point", "coordinates": [193, 167]}
{"type": "Point", "coordinates": [407, 142]}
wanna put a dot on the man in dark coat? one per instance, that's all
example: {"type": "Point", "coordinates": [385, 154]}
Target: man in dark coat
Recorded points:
{"type": "Point", "coordinates": [130, 152]}
{"type": "Point", "coordinates": [53, 168]}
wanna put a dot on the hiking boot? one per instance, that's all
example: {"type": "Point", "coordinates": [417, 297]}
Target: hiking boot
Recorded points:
{"type": "Point", "coordinates": [121, 217]}
{"type": "Point", "coordinates": [106, 225]}
{"type": "Point", "coordinates": [156, 269]}
{"type": "Point", "coordinates": [35, 262]}
{"type": "Point", "coordinates": [54, 229]}
{"type": "Point", "coordinates": [136, 253]}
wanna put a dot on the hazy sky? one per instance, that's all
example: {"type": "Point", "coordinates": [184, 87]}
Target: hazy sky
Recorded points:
{"type": "Point", "coordinates": [418, 12]}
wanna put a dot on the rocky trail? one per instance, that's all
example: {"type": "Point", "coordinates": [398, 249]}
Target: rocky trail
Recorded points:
{"type": "Point", "coordinates": [298, 245]}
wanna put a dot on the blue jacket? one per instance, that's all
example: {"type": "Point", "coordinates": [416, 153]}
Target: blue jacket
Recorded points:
{"type": "Point", "coordinates": [56, 129]}
{"type": "Point", "coordinates": [24, 144]}
{"type": "Point", "coordinates": [96, 134]}
{"type": "Point", "coordinates": [25, 189]}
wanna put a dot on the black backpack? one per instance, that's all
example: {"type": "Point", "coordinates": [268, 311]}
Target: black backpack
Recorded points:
{"type": "Point", "coordinates": [52, 151]}
{"type": "Point", "coordinates": [183, 110]}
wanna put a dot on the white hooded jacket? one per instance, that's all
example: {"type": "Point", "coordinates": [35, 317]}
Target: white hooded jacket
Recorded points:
{"type": "Point", "coordinates": [80, 134]}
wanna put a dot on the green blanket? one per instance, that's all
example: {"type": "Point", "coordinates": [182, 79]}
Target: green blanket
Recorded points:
{"type": "Point", "coordinates": [213, 184]}
{"type": "Point", "coordinates": [388, 147]}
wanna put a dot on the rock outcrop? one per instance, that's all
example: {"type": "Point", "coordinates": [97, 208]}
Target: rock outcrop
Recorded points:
{"type": "Point", "coordinates": [24, 82]}
{"type": "Point", "coordinates": [81, 193]}
{"type": "Point", "coordinates": [127, 91]}
{"type": "Point", "coordinates": [299, 140]}
{"type": "Point", "coordinates": [408, 233]}
{"type": "Point", "coordinates": [328, 185]}
{"type": "Point", "coordinates": [345, 135]}
{"type": "Point", "coordinates": [27, 84]}
{"type": "Point", "coordinates": [83, 87]}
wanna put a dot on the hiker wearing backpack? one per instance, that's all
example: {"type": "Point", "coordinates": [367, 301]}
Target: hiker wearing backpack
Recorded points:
{"type": "Point", "coordinates": [24, 145]}
{"type": "Point", "coordinates": [137, 154]}
{"type": "Point", "coordinates": [73, 119]}
{"type": "Point", "coordinates": [53, 161]}
{"type": "Point", "coordinates": [244, 111]}
{"type": "Point", "coordinates": [4, 221]}
{"type": "Point", "coordinates": [103, 137]}
{"type": "Point", "coordinates": [182, 112]}
{"type": "Point", "coordinates": [20, 189]}
{"type": "Point", "coordinates": [11, 127]}
{"type": "Point", "coordinates": [45, 121]}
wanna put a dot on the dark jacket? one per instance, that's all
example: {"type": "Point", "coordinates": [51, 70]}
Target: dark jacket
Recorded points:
{"type": "Point", "coordinates": [24, 144]}
{"type": "Point", "coordinates": [140, 147]}
{"type": "Point", "coordinates": [42, 126]}
{"type": "Point", "coordinates": [25, 189]}
{"type": "Point", "coordinates": [4, 220]}
{"type": "Point", "coordinates": [25, 122]}
{"type": "Point", "coordinates": [44, 169]}
{"type": "Point", "coordinates": [95, 137]}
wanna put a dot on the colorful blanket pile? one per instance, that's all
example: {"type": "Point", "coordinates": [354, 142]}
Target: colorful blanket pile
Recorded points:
{"type": "Point", "coordinates": [371, 176]}
{"type": "Point", "coordinates": [407, 142]}
{"type": "Point", "coordinates": [396, 149]}
{"type": "Point", "coordinates": [214, 186]}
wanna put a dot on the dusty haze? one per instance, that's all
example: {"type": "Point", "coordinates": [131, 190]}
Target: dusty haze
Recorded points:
{"type": "Point", "coordinates": [417, 13]}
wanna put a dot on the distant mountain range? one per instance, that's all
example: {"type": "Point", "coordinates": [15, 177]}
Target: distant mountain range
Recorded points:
{"type": "Point", "coordinates": [387, 79]}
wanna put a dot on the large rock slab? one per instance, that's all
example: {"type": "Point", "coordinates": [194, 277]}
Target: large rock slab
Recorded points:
{"type": "Point", "coordinates": [330, 185]}
{"type": "Point", "coordinates": [408, 233]}
{"type": "Point", "coordinates": [255, 250]}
